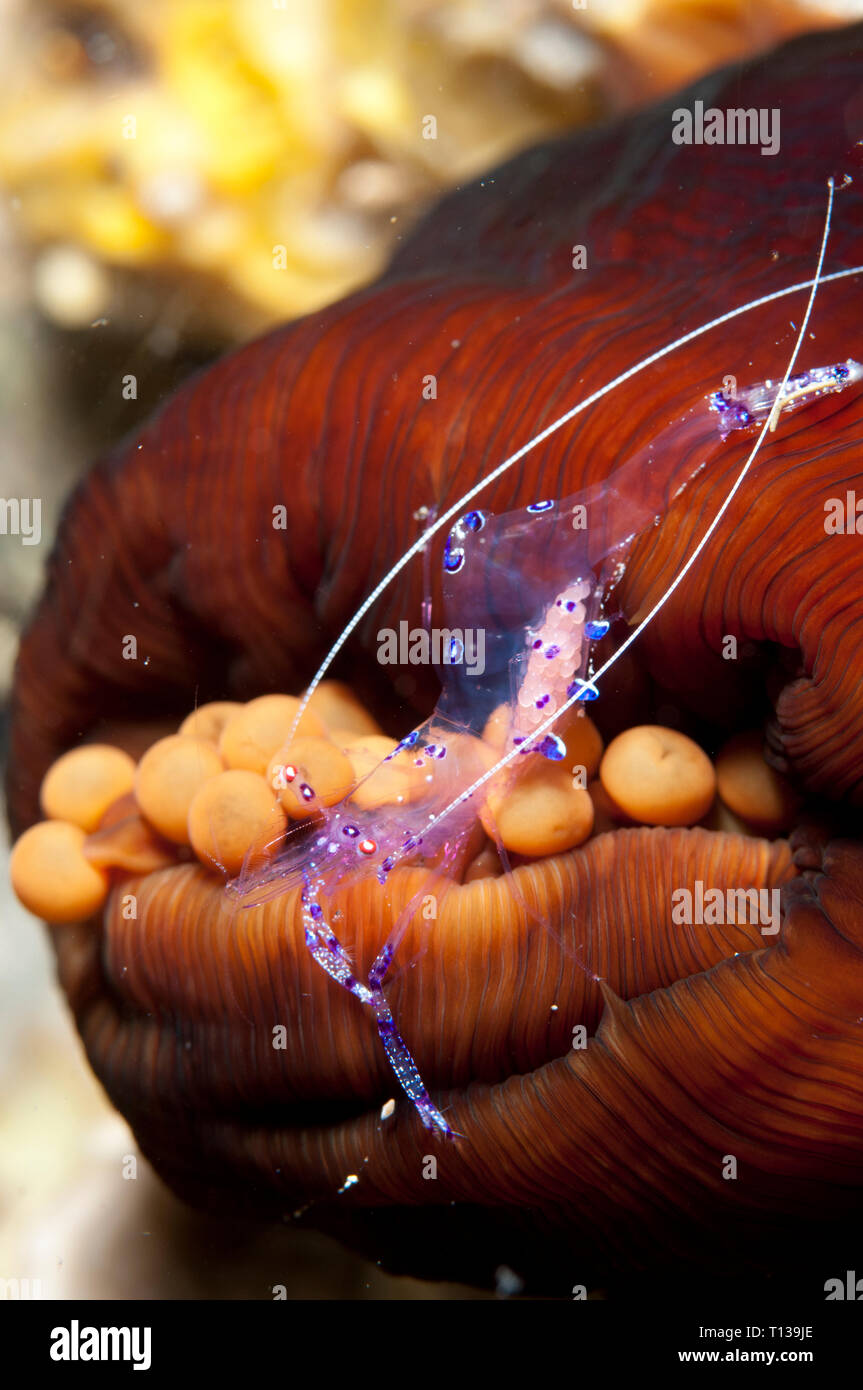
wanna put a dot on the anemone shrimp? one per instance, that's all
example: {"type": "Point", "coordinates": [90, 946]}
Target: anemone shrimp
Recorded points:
{"type": "Point", "coordinates": [537, 581]}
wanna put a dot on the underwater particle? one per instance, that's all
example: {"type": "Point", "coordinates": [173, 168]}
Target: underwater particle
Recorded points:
{"type": "Point", "coordinates": [506, 1282]}
{"type": "Point", "coordinates": [70, 287]}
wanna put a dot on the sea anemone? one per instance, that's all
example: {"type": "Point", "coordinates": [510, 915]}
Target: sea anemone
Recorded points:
{"type": "Point", "coordinates": [628, 1084]}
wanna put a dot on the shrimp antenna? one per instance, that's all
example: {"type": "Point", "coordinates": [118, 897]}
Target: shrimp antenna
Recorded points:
{"type": "Point", "coordinates": [589, 689]}
{"type": "Point", "coordinates": [458, 507]}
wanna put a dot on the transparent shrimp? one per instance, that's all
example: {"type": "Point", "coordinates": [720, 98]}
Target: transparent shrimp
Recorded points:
{"type": "Point", "coordinates": [535, 583]}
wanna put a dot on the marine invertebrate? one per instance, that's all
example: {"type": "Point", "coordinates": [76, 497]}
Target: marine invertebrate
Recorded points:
{"type": "Point", "coordinates": [545, 662]}
{"type": "Point", "coordinates": [489, 1000]}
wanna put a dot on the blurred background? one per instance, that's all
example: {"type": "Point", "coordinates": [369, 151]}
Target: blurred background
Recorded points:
{"type": "Point", "coordinates": [176, 177]}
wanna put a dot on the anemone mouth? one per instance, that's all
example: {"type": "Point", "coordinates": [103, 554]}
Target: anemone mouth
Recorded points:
{"type": "Point", "coordinates": [183, 984]}
{"type": "Point", "coordinates": [542, 939]}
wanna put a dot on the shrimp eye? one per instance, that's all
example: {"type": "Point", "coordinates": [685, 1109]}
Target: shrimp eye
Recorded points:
{"type": "Point", "coordinates": [367, 847]}
{"type": "Point", "coordinates": [289, 772]}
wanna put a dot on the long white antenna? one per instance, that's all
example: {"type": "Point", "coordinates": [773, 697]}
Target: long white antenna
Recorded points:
{"type": "Point", "coordinates": [682, 573]}
{"type": "Point", "coordinates": [458, 507]}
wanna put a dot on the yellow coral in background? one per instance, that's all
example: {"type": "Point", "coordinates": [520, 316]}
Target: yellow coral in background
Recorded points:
{"type": "Point", "coordinates": [275, 149]}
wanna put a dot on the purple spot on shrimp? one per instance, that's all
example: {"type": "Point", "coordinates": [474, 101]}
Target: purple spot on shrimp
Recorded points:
{"type": "Point", "coordinates": [316, 911]}
{"type": "Point", "coordinates": [306, 792]}
{"type": "Point", "coordinates": [598, 628]}
{"type": "Point", "coordinates": [540, 506]}
{"type": "Point", "coordinates": [552, 651]}
{"type": "Point", "coordinates": [350, 830]}
{"type": "Point", "coordinates": [585, 690]}
{"type": "Point", "coordinates": [553, 748]}
{"type": "Point", "coordinates": [384, 960]}
{"type": "Point", "coordinates": [453, 558]}
{"type": "Point", "coordinates": [474, 521]}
